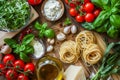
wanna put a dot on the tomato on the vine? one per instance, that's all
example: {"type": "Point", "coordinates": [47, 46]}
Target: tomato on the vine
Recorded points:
{"type": "Point", "coordinates": [89, 7]}
{"type": "Point", "coordinates": [86, 1]}
{"type": "Point", "coordinates": [8, 59]}
{"type": "Point", "coordinates": [22, 77]}
{"type": "Point", "coordinates": [97, 12]}
{"type": "Point", "coordinates": [19, 64]}
{"type": "Point", "coordinates": [2, 69]}
{"type": "Point", "coordinates": [34, 2]}
{"type": "Point", "coordinates": [79, 18]}
{"type": "Point", "coordinates": [11, 74]}
{"type": "Point", "coordinates": [73, 11]}
{"type": "Point", "coordinates": [29, 67]}
{"type": "Point", "coordinates": [72, 5]}
{"type": "Point", "coordinates": [89, 17]}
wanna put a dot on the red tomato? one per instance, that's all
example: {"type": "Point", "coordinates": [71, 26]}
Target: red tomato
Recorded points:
{"type": "Point", "coordinates": [34, 2]}
{"type": "Point", "coordinates": [86, 1]}
{"type": "Point", "coordinates": [96, 12]}
{"type": "Point", "coordinates": [89, 17]}
{"type": "Point", "coordinates": [29, 67]}
{"type": "Point", "coordinates": [22, 77]}
{"type": "Point", "coordinates": [79, 18]}
{"type": "Point", "coordinates": [11, 74]}
{"type": "Point", "coordinates": [72, 5]}
{"type": "Point", "coordinates": [73, 12]}
{"type": "Point", "coordinates": [2, 68]}
{"type": "Point", "coordinates": [89, 7]}
{"type": "Point", "coordinates": [8, 59]}
{"type": "Point", "coordinates": [19, 64]}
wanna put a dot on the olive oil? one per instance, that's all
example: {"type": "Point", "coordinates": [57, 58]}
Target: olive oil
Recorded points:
{"type": "Point", "coordinates": [48, 68]}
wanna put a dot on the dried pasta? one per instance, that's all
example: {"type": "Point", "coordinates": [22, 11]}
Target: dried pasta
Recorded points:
{"type": "Point", "coordinates": [92, 54]}
{"type": "Point", "coordinates": [67, 52]}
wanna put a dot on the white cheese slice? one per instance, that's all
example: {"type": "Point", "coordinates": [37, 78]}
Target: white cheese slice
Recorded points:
{"type": "Point", "coordinates": [74, 73]}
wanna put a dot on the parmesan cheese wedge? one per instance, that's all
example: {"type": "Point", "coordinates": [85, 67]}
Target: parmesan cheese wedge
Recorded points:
{"type": "Point", "coordinates": [74, 73]}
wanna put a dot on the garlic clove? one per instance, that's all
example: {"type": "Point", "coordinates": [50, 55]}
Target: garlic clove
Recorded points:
{"type": "Point", "coordinates": [52, 41]}
{"type": "Point", "coordinates": [73, 29]}
{"type": "Point", "coordinates": [6, 49]}
{"type": "Point", "coordinates": [67, 30]}
{"type": "Point", "coordinates": [49, 48]}
{"type": "Point", "coordinates": [48, 40]}
{"type": "Point", "coordinates": [61, 36]}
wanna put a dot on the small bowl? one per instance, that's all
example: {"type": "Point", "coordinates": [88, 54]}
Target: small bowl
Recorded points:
{"type": "Point", "coordinates": [41, 54]}
{"type": "Point", "coordinates": [43, 12]}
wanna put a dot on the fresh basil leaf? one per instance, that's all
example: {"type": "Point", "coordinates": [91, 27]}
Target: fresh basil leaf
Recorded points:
{"type": "Point", "coordinates": [29, 49]}
{"type": "Point", "coordinates": [44, 25]}
{"type": "Point", "coordinates": [37, 26]}
{"type": "Point", "coordinates": [113, 2]}
{"type": "Point", "coordinates": [88, 26]}
{"type": "Point", "coordinates": [11, 42]}
{"type": "Point", "coordinates": [22, 47]}
{"type": "Point", "coordinates": [27, 39]}
{"type": "Point", "coordinates": [16, 50]}
{"type": "Point", "coordinates": [67, 21]}
{"type": "Point", "coordinates": [102, 18]}
{"type": "Point", "coordinates": [24, 57]}
{"type": "Point", "coordinates": [41, 34]}
{"type": "Point", "coordinates": [115, 20]}
{"type": "Point", "coordinates": [104, 4]}
{"type": "Point", "coordinates": [104, 27]}
{"type": "Point", "coordinates": [113, 32]}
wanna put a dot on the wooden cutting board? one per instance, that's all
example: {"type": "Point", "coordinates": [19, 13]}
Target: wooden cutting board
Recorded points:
{"type": "Point", "coordinates": [4, 35]}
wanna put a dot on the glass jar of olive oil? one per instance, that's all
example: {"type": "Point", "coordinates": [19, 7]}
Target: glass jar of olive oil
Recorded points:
{"type": "Point", "coordinates": [49, 68]}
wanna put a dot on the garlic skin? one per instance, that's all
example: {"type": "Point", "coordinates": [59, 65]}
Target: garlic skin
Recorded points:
{"type": "Point", "coordinates": [73, 29]}
{"type": "Point", "coordinates": [49, 48]}
{"type": "Point", "coordinates": [67, 30]}
{"type": "Point", "coordinates": [6, 49]}
{"type": "Point", "coordinates": [61, 36]}
{"type": "Point", "coordinates": [52, 41]}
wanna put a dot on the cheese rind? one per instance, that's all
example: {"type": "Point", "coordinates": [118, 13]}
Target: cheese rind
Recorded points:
{"type": "Point", "coordinates": [74, 73]}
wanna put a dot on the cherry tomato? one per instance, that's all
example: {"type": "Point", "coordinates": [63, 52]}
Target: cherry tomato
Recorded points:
{"type": "Point", "coordinates": [34, 2]}
{"type": "Point", "coordinates": [22, 77]}
{"type": "Point", "coordinates": [72, 5]}
{"type": "Point", "coordinates": [19, 64]}
{"type": "Point", "coordinates": [73, 12]}
{"type": "Point", "coordinates": [86, 1]}
{"type": "Point", "coordinates": [79, 18]}
{"type": "Point", "coordinates": [96, 12]}
{"type": "Point", "coordinates": [8, 59]}
{"type": "Point", "coordinates": [89, 17]}
{"type": "Point", "coordinates": [11, 74]}
{"type": "Point", "coordinates": [89, 7]}
{"type": "Point", "coordinates": [29, 67]}
{"type": "Point", "coordinates": [2, 69]}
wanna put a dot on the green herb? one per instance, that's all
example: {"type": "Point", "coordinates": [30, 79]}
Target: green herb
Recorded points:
{"type": "Point", "coordinates": [44, 30]}
{"type": "Point", "coordinates": [110, 63]}
{"type": "Point", "coordinates": [67, 21]}
{"type": "Point", "coordinates": [22, 49]}
{"type": "Point", "coordinates": [13, 14]}
{"type": "Point", "coordinates": [108, 19]}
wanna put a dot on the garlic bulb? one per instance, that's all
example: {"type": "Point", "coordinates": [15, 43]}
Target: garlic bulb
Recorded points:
{"type": "Point", "coordinates": [6, 49]}
{"type": "Point", "coordinates": [49, 48]}
{"type": "Point", "coordinates": [73, 29]}
{"type": "Point", "coordinates": [61, 36]}
{"type": "Point", "coordinates": [67, 30]}
{"type": "Point", "coordinates": [52, 41]}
